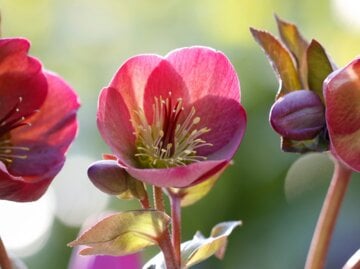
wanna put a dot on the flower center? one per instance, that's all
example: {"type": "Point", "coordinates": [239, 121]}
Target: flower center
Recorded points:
{"type": "Point", "coordinates": [10, 121]}
{"type": "Point", "coordinates": [167, 142]}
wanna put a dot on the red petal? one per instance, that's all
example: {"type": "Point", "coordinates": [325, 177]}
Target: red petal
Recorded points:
{"type": "Point", "coordinates": [22, 83]}
{"type": "Point", "coordinates": [342, 98]}
{"type": "Point", "coordinates": [17, 189]}
{"type": "Point", "coordinates": [52, 130]}
{"type": "Point", "coordinates": [178, 177]}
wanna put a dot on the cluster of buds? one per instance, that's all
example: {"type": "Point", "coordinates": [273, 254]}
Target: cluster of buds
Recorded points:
{"type": "Point", "coordinates": [317, 107]}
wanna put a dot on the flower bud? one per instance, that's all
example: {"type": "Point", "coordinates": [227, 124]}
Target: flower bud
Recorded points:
{"type": "Point", "coordinates": [298, 115]}
{"type": "Point", "coordinates": [108, 177]}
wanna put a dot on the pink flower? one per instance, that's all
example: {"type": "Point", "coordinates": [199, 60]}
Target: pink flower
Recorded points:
{"type": "Point", "coordinates": [342, 98]}
{"type": "Point", "coordinates": [37, 122]}
{"type": "Point", "coordinates": [173, 121]}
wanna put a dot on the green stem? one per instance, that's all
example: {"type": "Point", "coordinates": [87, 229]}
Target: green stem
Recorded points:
{"type": "Point", "coordinates": [176, 226]}
{"type": "Point", "coordinates": [5, 262]}
{"type": "Point", "coordinates": [325, 226]}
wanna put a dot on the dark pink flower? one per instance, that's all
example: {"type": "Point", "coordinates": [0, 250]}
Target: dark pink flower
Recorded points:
{"type": "Point", "coordinates": [342, 98]}
{"type": "Point", "coordinates": [173, 121]}
{"type": "Point", "coordinates": [37, 122]}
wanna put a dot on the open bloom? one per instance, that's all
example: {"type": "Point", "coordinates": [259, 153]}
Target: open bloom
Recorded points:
{"type": "Point", "coordinates": [173, 121]}
{"type": "Point", "coordinates": [37, 122]}
{"type": "Point", "coordinates": [342, 98]}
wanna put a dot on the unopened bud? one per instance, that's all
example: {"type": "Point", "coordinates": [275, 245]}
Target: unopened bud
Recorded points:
{"type": "Point", "coordinates": [298, 115]}
{"type": "Point", "coordinates": [108, 177]}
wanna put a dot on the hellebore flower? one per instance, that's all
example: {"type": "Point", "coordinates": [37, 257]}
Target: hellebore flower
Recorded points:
{"type": "Point", "coordinates": [342, 98]}
{"type": "Point", "coordinates": [173, 121]}
{"type": "Point", "coordinates": [37, 122]}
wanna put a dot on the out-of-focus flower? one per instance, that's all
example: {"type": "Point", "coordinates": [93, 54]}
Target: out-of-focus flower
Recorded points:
{"type": "Point", "coordinates": [342, 99]}
{"type": "Point", "coordinates": [173, 121]}
{"type": "Point", "coordinates": [37, 122]}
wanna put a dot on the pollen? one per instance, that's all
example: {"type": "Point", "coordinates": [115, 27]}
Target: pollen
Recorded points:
{"type": "Point", "coordinates": [172, 138]}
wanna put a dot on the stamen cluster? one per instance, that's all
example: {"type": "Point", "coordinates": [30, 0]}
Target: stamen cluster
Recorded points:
{"type": "Point", "coordinates": [170, 140]}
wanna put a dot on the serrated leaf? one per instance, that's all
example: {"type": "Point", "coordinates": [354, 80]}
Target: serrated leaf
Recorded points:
{"type": "Point", "coordinates": [124, 233]}
{"type": "Point", "coordinates": [195, 193]}
{"type": "Point", "coordinates": [297, 45]}
{"type": "Point", "coordinates": [319, 67]}
{"type": "Point", "coordinates": [199, 248]}
{"type": "Point", "coordinates": [281, 61]}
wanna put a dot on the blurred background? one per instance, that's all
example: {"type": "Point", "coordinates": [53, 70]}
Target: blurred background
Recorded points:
{"type": "Point", "coordinates": [278, 196]}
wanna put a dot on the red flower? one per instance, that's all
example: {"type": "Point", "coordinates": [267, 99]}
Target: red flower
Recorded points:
{"type": "Point", "coordinates": [173, 121]}
{"type": "Point", "coordinates": [37, 122]}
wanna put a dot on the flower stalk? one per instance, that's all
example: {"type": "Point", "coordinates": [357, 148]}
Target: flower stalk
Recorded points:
{"type": "Point", "coordinates": [325, 226]}
{"type": "Point", "coordinates": [176, 225]}
{"type": "Point", "coordinates": [5, 262]}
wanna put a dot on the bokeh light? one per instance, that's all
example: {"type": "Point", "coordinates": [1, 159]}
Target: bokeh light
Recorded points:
{"type": "Point", "coordinates": [25, 227]}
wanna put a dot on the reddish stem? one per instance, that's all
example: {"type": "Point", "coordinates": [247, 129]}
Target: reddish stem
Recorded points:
{"type": "Point", "coordinates": [168, 251]}
{"type": "Point", "coordinates": [176, 226]}
{"type": "Point", "coordinates": [328, 215]}
{"type": "Point", "coordinates": [158, 199]}
{"type": "Point", "coordinates": [5, 262]}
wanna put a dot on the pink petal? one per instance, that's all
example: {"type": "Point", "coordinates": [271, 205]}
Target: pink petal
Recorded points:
{"type": "Point", "coordinates": [227, 123]}
{"type": "Point", "coordinates": [178, 177]}
{"type": "Point", "coordinates": [113, 119]}
{"type": "Point", "coordinates": [164, 82]}
{"type": "Point", "coordinates": [213, 86]}
{"type": "Point", "coordinates": [205, 72]}
{"type": "Point", "coordinates": [131, 79]}
{"type": "Point", "coordinates": [342, 98]}
{"type": "Point", "coordinates": [51, 132]}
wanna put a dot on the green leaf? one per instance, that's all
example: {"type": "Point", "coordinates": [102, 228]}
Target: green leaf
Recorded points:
{"type": "Point", "coordinates": [201, 248]}
{"type": "Point", "coordinates": [297, 45]}
{"type": "Point", "coordinates": [319, 67]}
{"type": "Point", "coordinates": [124, 233]}
{"type": "Point", "coordinates": [195, 193]}
{"type": "Point", "coordinates": [281, 61]}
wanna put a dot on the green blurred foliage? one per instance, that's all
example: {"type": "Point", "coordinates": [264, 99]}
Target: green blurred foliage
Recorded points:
{"type": "Point", "coordinates": [86, 42]}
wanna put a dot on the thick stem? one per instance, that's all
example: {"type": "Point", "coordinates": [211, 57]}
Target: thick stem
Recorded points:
{"type": "Point", "coordinates": [325, 226]}
{"type": "Point", "coordinates": [168, 251]}
{"type": "Point", "coordinates": [5, 262]}
{"type": "Point", "coordinates": [158, 199]}
{"type": "Point", "coordinates": [176, 226]}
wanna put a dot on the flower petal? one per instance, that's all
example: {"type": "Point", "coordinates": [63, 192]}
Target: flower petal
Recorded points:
{"type": "Point", "coordinates": [131, 79]}
{"type": "Point", "coordinates": [227, 124]}
{"type": "Point", "coordinates": [205, 72]}
{"type": "Point", "coordinates": [165, 82]}
{"type": "Point", "coordinates": [23, 86]}
{"type": "Point", "coordinates": [178, 177]}
{"type": "Point", "coordinates": [18, 189]}
{"type": "Point", "coordinates": [342, 99]}
{"type": "Point", "coordinates": [113, 120]}
{"type": "Point", "coordinates": [52, 130]}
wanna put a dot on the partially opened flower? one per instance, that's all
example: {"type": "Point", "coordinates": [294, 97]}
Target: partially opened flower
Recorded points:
{"type": "Point", "coordinates": [342, 98]}
{"type": "Point", "coordinates": [173, 121]}
{"type": "Point", "coordinates": [37, 122]}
